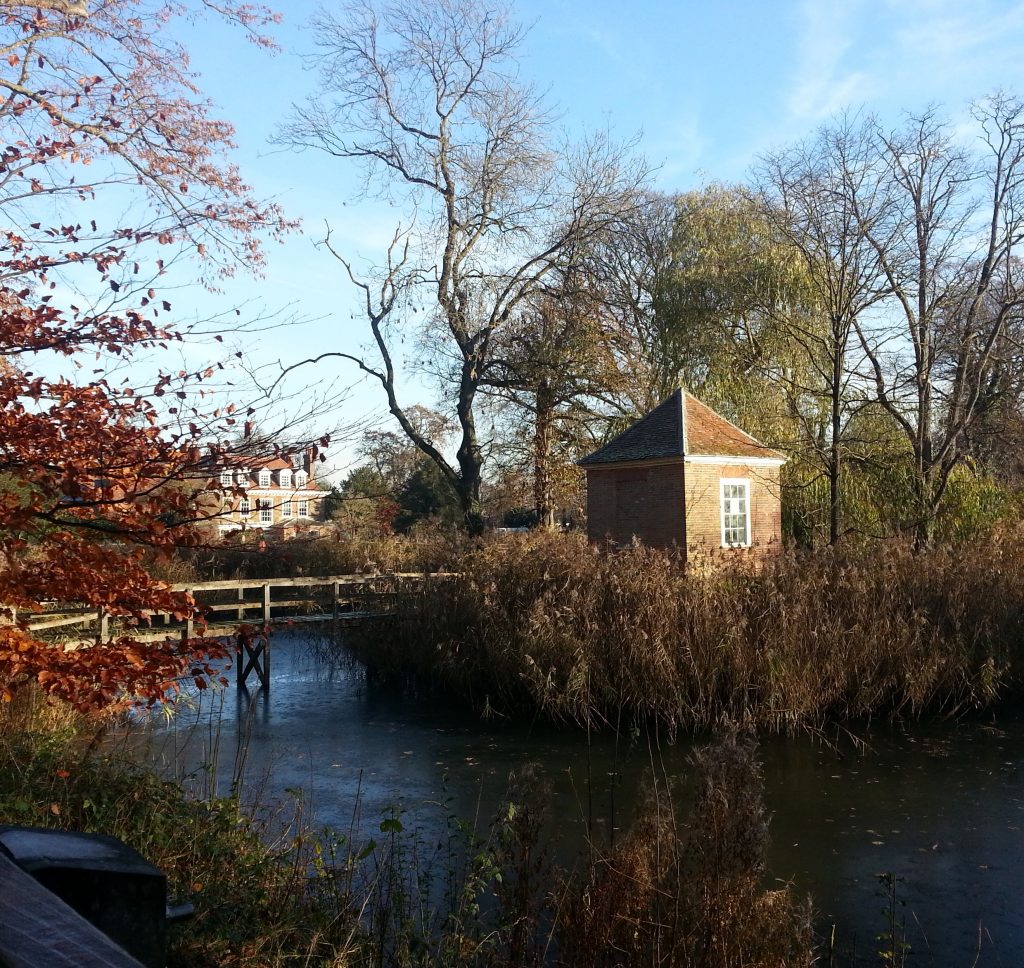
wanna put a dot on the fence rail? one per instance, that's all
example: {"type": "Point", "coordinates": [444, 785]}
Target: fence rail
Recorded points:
{"type": "Point", "coordinates": [344, 592]}
{"type": "Point", "coordinates": [349, 599]}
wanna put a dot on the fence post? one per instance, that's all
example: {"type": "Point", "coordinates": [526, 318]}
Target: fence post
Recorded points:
{"type": "Point", "coordinates": [266, 603]}
{"type": "Point", "coordinates": [241, 598]}
{"type": "Point", "coordinates": [190, 626]}
{"type": "Point", "coordinates": [337, 595]}
{"type": "Point", "coordinates": [239, 661]}
{"type": "Point", "coordinates": [103, 632]}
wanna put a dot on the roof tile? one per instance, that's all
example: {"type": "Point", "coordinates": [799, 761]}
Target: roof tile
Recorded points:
{"type": "Point", "coordinates": [666, 433]}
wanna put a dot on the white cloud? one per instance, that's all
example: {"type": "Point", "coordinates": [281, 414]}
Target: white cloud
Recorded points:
{"type": "Point", "coordinates": [901, 55]}
{"type": "Point", "coordinates": [823, 83]}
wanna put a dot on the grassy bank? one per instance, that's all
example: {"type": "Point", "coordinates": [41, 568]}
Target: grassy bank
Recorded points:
{"type": "Point", "coordinates": [255, 902]}
{"type": "Point", "coordinates": [551, 625]}
{"type": "Point", "coordinates": [678, 889]}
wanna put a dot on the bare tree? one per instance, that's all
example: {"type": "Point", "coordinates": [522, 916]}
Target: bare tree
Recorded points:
{"type": "Point", "coordinates": [425, 96]}
{"type": "Point", "coordinates": [946, 238]}
{"type": "Point", "coordinates": [821, 196]}
{"type": "Point", "coordinates": [557, 358]}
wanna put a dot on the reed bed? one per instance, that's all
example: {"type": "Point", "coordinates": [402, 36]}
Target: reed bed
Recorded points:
{"type": "Point", "coordinates": [551, 625]}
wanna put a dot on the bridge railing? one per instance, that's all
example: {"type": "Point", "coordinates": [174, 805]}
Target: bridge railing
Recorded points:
{"type": "Point", "coordinates": [332, 597]}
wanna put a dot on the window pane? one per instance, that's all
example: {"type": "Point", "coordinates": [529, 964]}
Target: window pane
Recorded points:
{"type": "Point", "coordinates": [734, 513]}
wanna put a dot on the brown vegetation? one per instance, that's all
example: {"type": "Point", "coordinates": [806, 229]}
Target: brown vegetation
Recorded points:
{"type": "Point", "coordinates": [688, 894]}
{"type": "Point", "coordinates": [550, 624]}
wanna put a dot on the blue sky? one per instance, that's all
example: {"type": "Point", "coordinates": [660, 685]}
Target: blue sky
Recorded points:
{"type": "Point", "coordinates": [705, 86]}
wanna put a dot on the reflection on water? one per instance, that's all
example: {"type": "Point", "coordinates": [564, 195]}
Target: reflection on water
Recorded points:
{"type": "Point", "coordinates": [939, 805]}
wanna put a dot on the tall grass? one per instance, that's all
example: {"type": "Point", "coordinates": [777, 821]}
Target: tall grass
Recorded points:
{"type": "Point", "coordinates": [687, 890]}
{"type": "Point", "coordinates": [551, 625]}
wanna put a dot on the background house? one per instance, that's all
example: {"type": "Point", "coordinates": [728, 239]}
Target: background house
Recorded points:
{"type": "Point", "coordinates": [267, 492]}
{"type": "Point", "coordinates": [685, 477]}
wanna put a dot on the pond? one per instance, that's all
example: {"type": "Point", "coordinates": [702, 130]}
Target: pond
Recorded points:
{"type": "Point", "coordinates": [939, 804]}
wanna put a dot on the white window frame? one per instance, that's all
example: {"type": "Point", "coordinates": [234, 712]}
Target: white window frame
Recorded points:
{"type": "Point", "coordinates": [303, 509]}
{"type": "Point", "coordinates": [227, 477]}
{"type": "Point", "coordinates": [264, 478]}
{"type": "Point", "coordinates": [266, 510]}
{"type": "Point", "coordinates": [244, 507]}
{"type": "Point", "coordinates": [286, 509]}
{"type": "Point", "coordinates": [743, 482]}
{"type": "Point", "coordinates": [285, 478]}
{"type": "Point", "coordinates": [300, 479]}
{"type": "Point", "coordinates": [242, 476]}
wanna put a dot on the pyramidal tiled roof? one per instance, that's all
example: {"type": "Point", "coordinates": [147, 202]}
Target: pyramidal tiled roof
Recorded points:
{"type": "Point", "coordinates": [681, 426]}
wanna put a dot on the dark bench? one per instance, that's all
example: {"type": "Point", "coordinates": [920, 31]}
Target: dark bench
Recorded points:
{"type": "Point", "coordinates": [78, 899]}
{"type": "Point", "coordinates": [38, 930]}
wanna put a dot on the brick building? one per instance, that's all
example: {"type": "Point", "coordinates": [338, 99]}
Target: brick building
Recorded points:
{"type": "Point", "coordinates": [261, 493]}
{"type": "Point", "coordinates": [685, 477]}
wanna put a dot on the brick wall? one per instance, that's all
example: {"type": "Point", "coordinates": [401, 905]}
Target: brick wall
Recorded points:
{"type": "Point", "coordinates": [624, 503]}
{"type": "Point", "coordinates": [636, 502]}
{"type": "Point", "coordinates": [704, 509]}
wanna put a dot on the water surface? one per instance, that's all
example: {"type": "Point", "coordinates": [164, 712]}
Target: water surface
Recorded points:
{"type": "Point", "coordinates": [940, 804]}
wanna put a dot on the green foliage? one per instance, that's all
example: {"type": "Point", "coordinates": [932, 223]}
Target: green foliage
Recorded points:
{"type": "Point", "coordinates": [365, 481]}
{"type": "Point", "coordinates": [724, 307]}
{"type": "Point", "coordinates": [974, 505]}
{"type": "Point", "coordinates": [426, 495]}
{"type": "Point", "coordinates": [519, 518]}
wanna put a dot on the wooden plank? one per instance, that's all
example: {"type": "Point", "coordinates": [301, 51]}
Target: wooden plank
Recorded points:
{"type": "Point", "coordinates": [233, 583]}
{"type": "Point", "coordinates": [38, 930]}
{"type": "Point", "coordinates": [61, 622]}
{"type": "Point", "coordinates": [216, 630]}
{"type": "Point", "coordinates": [239, 607]}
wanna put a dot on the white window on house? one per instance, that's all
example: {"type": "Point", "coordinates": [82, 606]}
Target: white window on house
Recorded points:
{"type": "Point", "coordinates": [735, 512]}
{"type": "Point", "coordinates": [303, 509]}
{"type": "Point", "coordinates": [264, 478]}
{"type": "Point", "coordinates": [285, 478]}
{"type": "Point", "coordinates": [286, 509]}
{"type": "Point", "coordinates": [266, 511]}
{"type": "Point", "coordinates": [242, 476]}
{"type": "Point", "coordinates": [244, 507]}
{"type": "Point", "coordinates": [300, 478]}
{"type": "Point", "coordinates": [226, 477]}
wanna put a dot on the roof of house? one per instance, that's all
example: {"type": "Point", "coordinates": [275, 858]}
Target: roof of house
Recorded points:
{"type": "Point", "coordinates": [680, 427]}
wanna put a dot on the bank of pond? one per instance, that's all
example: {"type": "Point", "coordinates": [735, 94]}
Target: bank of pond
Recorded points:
{"type": "Point", "coordinates": [463, 840]}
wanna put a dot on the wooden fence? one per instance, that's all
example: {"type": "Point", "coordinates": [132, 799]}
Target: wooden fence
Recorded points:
{"type": "Point", "coordinates": [344, 599]}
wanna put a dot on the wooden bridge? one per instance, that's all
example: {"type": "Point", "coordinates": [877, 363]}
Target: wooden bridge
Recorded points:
{"type": "Point", "coordinates": [256, 606]}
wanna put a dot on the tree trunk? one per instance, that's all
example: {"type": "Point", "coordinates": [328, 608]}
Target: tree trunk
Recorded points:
{"type": "Point", "coordinates": [835, 452]}
{"type": "Point", "coordinates": [543, 500]}
{"type": "Point", "coordinates": [471, 461]}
